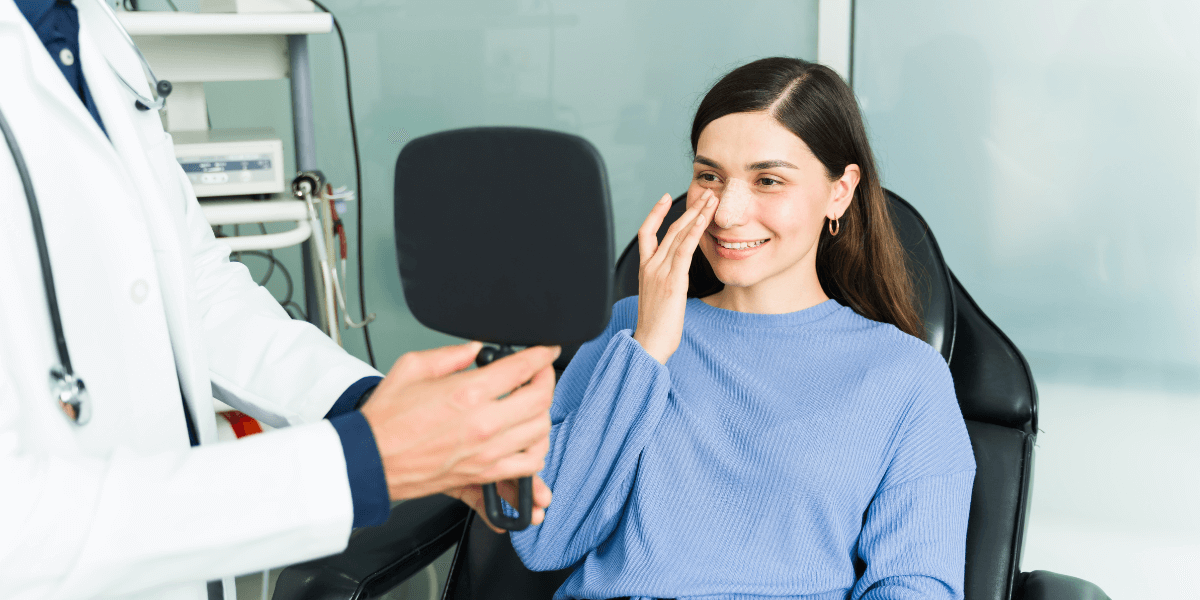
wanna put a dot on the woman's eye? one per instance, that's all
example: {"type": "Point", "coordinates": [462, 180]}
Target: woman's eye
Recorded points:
{"type": "Point", "coordinates": [707, 177]}
{"type": "Point", "coordinates": [767, 181]}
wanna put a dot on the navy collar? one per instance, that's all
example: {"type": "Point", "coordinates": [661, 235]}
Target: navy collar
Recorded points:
{"type": "Point", "coordinates": [35, 10]}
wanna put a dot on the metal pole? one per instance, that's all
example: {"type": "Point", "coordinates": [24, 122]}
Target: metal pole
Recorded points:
{"type": "Point", "coordinates": [306, 154]}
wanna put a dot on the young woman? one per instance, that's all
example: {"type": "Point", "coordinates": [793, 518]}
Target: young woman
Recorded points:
{"type": "Point", "coordinates": [783, 425]}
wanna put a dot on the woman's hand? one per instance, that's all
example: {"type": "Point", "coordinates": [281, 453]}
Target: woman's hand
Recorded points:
{"type": "Point", "coordinates": [472, 495]}
{"type": "Point", "coordinates": [663, 273]}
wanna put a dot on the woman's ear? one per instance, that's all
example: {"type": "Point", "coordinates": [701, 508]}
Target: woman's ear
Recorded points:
{"type": "Point", "coordinates": [843, 191]}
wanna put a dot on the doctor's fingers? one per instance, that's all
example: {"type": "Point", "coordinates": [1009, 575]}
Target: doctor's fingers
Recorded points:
{"type": "Point", "coordinates": [531, 401]}
{"type": "Point", "coordinates": [506, 440]}
{"type": "Point", "coordinates": [527, 463]}
{"type": "Point", "coordinates": [429, 364]}
{"type": "Point", "coordinates": [506, 375]}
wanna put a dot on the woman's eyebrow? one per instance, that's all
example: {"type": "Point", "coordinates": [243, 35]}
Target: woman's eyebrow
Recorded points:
{"type": "Point", "coordinates": [771, 164]}
{"type": "Point", "coordinates": [758, 166]}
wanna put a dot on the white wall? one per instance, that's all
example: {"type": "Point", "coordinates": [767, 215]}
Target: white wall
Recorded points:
{"type": "Point", "coordinates": [1054, 148]}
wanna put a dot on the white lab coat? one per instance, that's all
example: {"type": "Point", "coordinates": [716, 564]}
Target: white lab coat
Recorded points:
{"type": "Point", "coordinates": [122, 506]}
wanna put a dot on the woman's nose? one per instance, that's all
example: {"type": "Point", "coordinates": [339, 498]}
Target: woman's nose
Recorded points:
{"type": "Point", "coordinates": [735, 200]}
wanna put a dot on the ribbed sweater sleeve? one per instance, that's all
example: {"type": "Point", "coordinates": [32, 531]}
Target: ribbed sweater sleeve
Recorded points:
{"type": "Point", "coordinates": [606, 414]}
{"type": "Point", "coordinates": [914, 540]}
{"type": "Point", "coordinates": [914, 536]}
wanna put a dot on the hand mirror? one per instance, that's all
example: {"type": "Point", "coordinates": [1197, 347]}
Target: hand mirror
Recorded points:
{"type": "Point", "coordinates": [504, 235]}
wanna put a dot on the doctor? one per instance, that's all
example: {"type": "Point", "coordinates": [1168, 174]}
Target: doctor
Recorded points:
{"type": "Point", "coordinates": [126, 494]}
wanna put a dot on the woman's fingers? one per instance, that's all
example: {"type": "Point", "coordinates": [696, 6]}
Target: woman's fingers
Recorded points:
{"type": "Point", "coordinates": [681, 259]}
{"type": "Point", "coordinates": [648, 232]}
{"type": "Point", "coordinates": [473, 497]}
{"type": "Point", "coordinates": [683, 223]}
{"type": "Point", "coordinates": [685, 246]}
{"type": "Point", "coordinates": [698, 218]}
{"type": "Point", "coordinates": [508, 489]}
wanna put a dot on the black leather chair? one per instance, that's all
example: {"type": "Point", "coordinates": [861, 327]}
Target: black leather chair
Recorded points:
{"type": "Point", "coordinates": [995, 391]}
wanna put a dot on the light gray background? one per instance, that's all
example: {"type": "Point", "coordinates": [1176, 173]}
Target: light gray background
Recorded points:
{"type": "Point", "coordinates": [626, 76]}
{"type": "Point", "coordinates": [1053, 147]}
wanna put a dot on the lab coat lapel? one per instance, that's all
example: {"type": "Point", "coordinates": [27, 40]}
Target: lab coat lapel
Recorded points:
{"type": "Point", "coordinates": [53, 87]}
{"type": "Point", "coordinates": [139, 144]}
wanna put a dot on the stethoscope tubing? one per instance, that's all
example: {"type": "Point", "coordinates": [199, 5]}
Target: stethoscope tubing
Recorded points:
{"type": "Point", "coordinates": [65, 387]}
{"type": "Point", "coordinates": [160, 89]}
{"type": "Point", "coordinates": [39, 234]}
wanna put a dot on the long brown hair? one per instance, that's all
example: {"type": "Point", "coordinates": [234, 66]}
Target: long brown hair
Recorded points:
{"type": "Point", "coordinates": [863, 266]}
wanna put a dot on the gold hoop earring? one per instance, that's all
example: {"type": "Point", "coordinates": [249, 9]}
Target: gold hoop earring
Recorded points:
{"type": "Point", "coordinates": [832, 229]}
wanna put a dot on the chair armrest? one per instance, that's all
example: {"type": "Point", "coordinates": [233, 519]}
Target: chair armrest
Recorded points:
{"type": "Point", "coordinates": [1044, 585]}
{"type": "Point", "coordinates": [379, 558]}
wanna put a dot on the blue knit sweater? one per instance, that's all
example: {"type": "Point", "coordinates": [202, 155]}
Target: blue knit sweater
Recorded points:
{"type": "Point", "coordinates": [768, 455]}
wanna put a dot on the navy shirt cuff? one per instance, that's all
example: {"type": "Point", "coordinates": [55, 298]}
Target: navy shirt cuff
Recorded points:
{"type": "Point", "coordinates": [353, 396]}
{"type": "Point", "coordinates": [364, 468]}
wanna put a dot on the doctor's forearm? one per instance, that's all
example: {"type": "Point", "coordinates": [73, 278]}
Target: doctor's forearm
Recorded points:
{"type": "Point", "coordinates": [364, 469]}
{"type": "Point", "coordinates": [354, 396]}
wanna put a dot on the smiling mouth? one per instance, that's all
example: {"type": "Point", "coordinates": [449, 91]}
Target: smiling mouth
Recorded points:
{"type": "Point", "coordinates": [739, 245]}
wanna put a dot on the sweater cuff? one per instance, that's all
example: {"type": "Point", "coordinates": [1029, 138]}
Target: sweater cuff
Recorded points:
{"type": "Point", "coordinates": [353, 397]}
{"type": "Point", "coordinates": [364, 469]}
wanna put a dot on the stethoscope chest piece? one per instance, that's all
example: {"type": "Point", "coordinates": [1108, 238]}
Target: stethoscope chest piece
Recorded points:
{"type": "Point", "coordinates": [72, 396]}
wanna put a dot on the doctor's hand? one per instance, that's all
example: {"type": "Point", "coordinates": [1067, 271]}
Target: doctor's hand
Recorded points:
{"type": "Point", "coordinates": [472, 495]}
{"type": "Point", "coordinates": [439, 427]}
{"type": "Point", "coordinates": [663, 273]}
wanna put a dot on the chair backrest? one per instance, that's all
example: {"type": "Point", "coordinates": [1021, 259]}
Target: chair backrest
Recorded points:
{"type": "Point", "coordinates": [998, 399]}
{"type": "Point", "coordinates": [995, 391]}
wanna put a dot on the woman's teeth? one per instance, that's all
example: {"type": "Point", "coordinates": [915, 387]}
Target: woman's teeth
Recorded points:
{"type": "Point", "coordinates": [741, 245]}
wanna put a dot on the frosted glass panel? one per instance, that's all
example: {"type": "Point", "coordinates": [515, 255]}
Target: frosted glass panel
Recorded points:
{"type": "Point", "coordinates": [1054, 148]}
{"type": "Point", "coordinates": [627, 76]}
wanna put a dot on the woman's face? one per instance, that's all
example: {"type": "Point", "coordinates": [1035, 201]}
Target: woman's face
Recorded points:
{"type": "Point", "coordinates": [774, 197]}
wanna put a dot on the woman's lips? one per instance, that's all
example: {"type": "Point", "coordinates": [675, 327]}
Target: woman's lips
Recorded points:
{"type": "Point", "coordinates": [737, 253]}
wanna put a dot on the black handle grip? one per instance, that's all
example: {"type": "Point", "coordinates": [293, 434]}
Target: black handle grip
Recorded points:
{"type": "Point", "coordinates": [491, 498]}
{"type": "Point", "coordinates": [495, 510]}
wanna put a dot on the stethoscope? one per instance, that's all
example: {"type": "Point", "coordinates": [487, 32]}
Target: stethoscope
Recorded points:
{"type": "Point", "coordinates": [162, 88]}
{"type": "Point", "coordinates": [67, 389]}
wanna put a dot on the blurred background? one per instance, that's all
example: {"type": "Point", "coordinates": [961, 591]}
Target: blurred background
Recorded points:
{"type": "Point", "coordinates": [1054, 148]}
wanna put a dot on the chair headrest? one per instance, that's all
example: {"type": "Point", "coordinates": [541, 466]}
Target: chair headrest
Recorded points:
{"type": "Point", "coordinates": [992, 380]}
{"type": "Point", "coordinates": [504, 235]}
{"type": "Point", "coordinates": [931, 278]}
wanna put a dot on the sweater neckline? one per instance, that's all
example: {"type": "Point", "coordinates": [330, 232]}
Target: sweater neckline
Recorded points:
{"type": "Point", "coordinates": [723, 316]}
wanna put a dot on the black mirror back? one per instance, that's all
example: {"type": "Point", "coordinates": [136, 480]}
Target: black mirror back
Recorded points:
{"type": "Point", "coordinates": [504, 235]}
